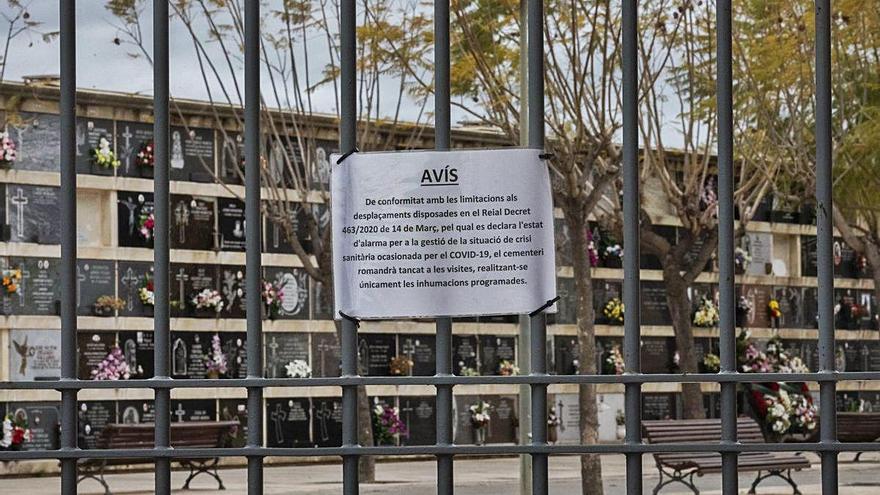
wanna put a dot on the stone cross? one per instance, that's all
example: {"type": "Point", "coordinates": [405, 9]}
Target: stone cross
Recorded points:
{"type": "Point", "coordinates": [180, 413]}
{"type": "Point", "coordinates": [80, 278]}
{"type": "Point", "coordinates": [127, 147]}
{"type": "Point", "coordinates": [181, 216]}
{"type": "Point", "coordinates": [19, 200]}
{"type": "Point", "coordinates": [409, 349]}
{"type": "Point", "coordinates": [278, 416]}
{"type": "Point", "coordinates": [323, 416]}
{"type": "Point", "coordinates": [181, 277]}
{"type": "Point", "coordinates": [273, 350]}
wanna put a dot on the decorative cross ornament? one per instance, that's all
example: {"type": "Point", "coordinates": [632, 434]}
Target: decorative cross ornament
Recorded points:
{"type": "Point", "coordinates": [19, 200]}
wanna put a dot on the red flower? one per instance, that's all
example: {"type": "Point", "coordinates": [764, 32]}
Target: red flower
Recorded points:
{"type": "Point", "coordinates": [17, 435]}
{"type": "Point", "coordinates": [150, 286]}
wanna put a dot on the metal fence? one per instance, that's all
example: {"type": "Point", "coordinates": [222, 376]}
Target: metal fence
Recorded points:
{"type": "Point", "coordinates": [444, 381]}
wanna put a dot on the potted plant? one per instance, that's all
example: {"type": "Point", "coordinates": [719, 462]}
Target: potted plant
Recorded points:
{"type": "Point", "coordinates": [107, 306]}
{"type": "Point", "coordinates": [145, 159]}
{"type": "Point", "coordinates": [215, 360]}
{"type": "Point", "coordinates": [8, 154]}
{"type": "Point", "coordinates": [387, 426]}
{"type": "Point", "coordinates": [208, 302]}
{"type": "Point", "coordinates": [480, 420]}
{"type": "Point", "coordinates": [620, 420]}
{"type": "Point", "coordinates": [15, 432]}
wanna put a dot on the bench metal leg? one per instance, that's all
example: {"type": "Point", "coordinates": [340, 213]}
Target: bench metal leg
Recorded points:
{"type": "Point", "coordinates": [778, 473]}
{"type": "Point", "coordinates": [97, 475]}
{"type": "Point", "coordinates": [197, 467]}
{"type": "Point", "coordinates": [684, 477]}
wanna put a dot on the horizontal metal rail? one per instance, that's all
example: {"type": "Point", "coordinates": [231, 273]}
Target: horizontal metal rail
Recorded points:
{"type": "Point", "coordinates": [828, 377]}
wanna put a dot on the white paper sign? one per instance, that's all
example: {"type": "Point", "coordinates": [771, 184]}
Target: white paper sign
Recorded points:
{"type": "Point", "coordinates": [455, 233]}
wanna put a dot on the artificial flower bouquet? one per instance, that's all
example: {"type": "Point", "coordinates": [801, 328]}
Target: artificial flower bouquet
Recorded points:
{"type": "Point", "coordinates": [215, 360]}
{"type": "Point", "coordinates": [272, 299]}
{"type": "Point", "coordinates": [8, 153]}
{"type": "Point", "coordinates": [15, 432]}
{"type": "Point", "coordinates": [103, 156]}
{"type": "Point", "coordinates": [11, 279]}
{"type": "Point", "coordinates": [298, 368]}
{"type": "Point", "coordinates": [146, 155]}
{"type": "Point", "coordinates": [113, 366]}
{"type": "Point", "coordinates": [707, 315]}
{"type": "Point", "coordinates": [400, 366]}
{"type": "Point", "coordinates": [613, 311]}
{"type": "Point", "coordinates": [387, 425]}
{"type": "Point", "coordinates": [107, 305]}
{"type": "Point", "coordinates": [612, 362]}
{"type": "Point", "coordinates": [208, 300]}
{"type": "Point", "coordinates": [507, 368]}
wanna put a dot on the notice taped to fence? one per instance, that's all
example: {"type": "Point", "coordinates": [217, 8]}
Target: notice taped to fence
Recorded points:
{"type": "Point", "coordinates": [454, 233]}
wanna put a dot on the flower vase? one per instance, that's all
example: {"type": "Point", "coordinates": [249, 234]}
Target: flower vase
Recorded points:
{"type": "Point", "coordinates": [147, 311]}
{"type": "Point", "coordinates": [146, 172]}
{"type": "Point", "coordinates": [480, 435]}
{"type": "Point", "coordinates": [613, 262]}
{"type": "Point", "coordinates": [621, 432]}
{"type": "Point", "coordinates": [739, 269]}
{"type": "Point", "coordinates": [213, 374]}
{"type": "Point", "coordinates": [102, 311]}
{"type": "Point", "coordinates": [95, 169]}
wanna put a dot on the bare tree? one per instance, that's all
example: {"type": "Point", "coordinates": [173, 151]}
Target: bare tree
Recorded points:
{"type": "Point", "coordinates": [294, 168]}
{"type": "Point", "coordinates": [678, 44]}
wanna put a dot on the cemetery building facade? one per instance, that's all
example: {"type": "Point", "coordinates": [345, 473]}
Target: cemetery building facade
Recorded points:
{"type": "Point", "coordinates": [207, 241]}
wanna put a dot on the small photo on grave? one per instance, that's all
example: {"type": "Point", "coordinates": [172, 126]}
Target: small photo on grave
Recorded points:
{"type": "Point", "coordinates": [419, 416]}
{"type": "Point", "coordinates": [33, 214]}
{"type": "Point", "coordinates": [133, 412]}
{"type": "Point", "coordinates": [231, 224]}
{"type": "Point", "coordinates": [326, 422]}
{"type": "Point", "coordinates": [136, 219]}
{"type": "Point", "coordinates": [135, 149]}
{"type": "Point", "coordinates": [37, 138]}
{"type": "Point", "coordinates": [137, 349]}
{"type": "Point", "coordinates": [326, 357]}
{"type": "Point", "coordinates": [34, 354]}
{"type": "Point", "coordinates": [38, 291]}
{"type": "Point", "coordinates": [192, 222]}
{"type": "Point", "coordinates": [95, 149]}
{"type": "Point", "coordinates": [92, 417]}
{"type": "Point", "coordinates": [42, 419]}
{"type": "Point", "coordinates": [319, 173]}
{"type": "Point", "coordinates": [286, 293]}
{"type": "Point", "coordinates": [288, 423]}
{"type": "Point", "coordinates": [377, 353]}
{"type": "Point", "coordinates": [287, 355]}
{"type": "Point", "coordinates": [136, 290]}
{"type": "Point", "coordinates": [96, 288]}
{"type": "Point", "coordinates": [192, 154]}
{"type": "Point", "coordinates": [193, 410]}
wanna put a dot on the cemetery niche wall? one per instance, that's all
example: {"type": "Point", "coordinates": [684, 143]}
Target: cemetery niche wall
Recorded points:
{"type": "Point", "coordinates": [207, 240]}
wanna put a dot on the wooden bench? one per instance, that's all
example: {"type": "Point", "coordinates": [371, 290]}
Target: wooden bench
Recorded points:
{"type": "Point", "coordinates": [681, 467]}
{"type": "Point", "coordinates": [193, 435]}
{"type": "Point", "coordinates": [858, 427]}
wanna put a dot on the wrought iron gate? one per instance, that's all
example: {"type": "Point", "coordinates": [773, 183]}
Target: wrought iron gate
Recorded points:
{"type": "Point", "coordinates": [444, 381]}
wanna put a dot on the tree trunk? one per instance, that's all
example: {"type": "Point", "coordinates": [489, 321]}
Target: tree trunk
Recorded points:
{"type": "Point", "coordinates": [591, 465]}
{"type": "Point", "coordinates": [680, 310]}
{"type": "Point", "coordinates": [872, 253]}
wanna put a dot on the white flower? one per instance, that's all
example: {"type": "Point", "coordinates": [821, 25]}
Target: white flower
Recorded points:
{"type": "Point", "coordinates": [298, 368]}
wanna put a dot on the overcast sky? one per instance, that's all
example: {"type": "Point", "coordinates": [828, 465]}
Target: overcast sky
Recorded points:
{"type": "Point", "coordinates": [102, 64]}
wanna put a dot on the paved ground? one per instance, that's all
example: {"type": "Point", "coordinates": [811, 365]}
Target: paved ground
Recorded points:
{"type": "Point", "coordinates": [472, 477]}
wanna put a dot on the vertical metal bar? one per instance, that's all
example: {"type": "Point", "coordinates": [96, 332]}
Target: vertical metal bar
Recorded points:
{"type": "Point", "coordinates": [631, 275]}
{"type": "Point", "coordinates": [161, 263]}
{"type": "Point", "coordinates": [348, 142]}
{"type": "Point", "coordinates": [538, 325]}
{"type": "Point", "coordinates": [67, 13]}
{"type": "Point", "coordinates": [253, 234]}
{"type": "Point", "coordinates": [724, 98]}
{"type": "Point", "coordinates": [827, 390]}
{"type": "Point", "coordinates": [524, 406]}
{"type": "Point", "coordinates": [442, 142]}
